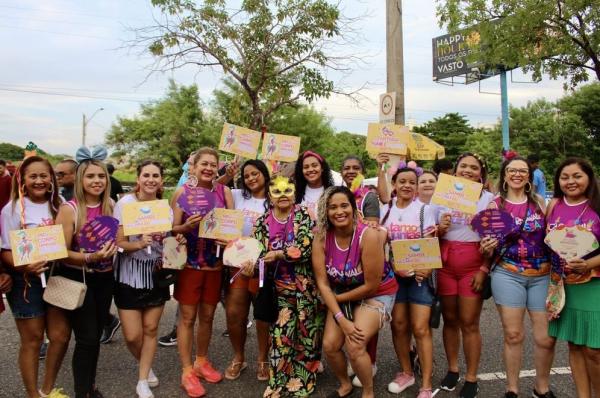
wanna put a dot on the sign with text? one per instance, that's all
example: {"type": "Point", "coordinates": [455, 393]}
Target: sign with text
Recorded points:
{"type": "Point", "coordinates": [146, 217]}
{"type": "Point", "coordinates": [416, 254]}
{"type": "Point", "coordinates": [457, 193]}
{"type": "Point", "coordinates": [387, 108]}
{"type": "Point", "coordinates": [222, 224]}
{"type": "Point", "coordinates": [495, 223]}
{"type": "Point", "coordinates": [37, 244]}
{"type": "Point", "coordinates": [571, 242]}
{"type": "Point", "coordinates": [387, 138]}
{"type": "Point", "coordinates": [279, 147]}
{"type": "Point", "coordinates": [239, 141]}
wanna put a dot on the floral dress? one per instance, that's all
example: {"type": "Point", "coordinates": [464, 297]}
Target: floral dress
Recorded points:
{"type": "Point", "coordinates": [296, 335]}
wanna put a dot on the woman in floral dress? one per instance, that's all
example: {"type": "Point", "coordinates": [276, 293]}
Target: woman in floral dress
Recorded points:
{"type": "Point", "coordinates": [285, 232]}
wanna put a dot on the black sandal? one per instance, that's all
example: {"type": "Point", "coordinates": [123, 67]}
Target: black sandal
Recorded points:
{"type": "Point", "coordinates": [335, 394]}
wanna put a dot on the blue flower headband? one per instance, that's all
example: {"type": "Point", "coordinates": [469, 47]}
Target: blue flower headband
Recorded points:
{"type": "Point", "coordinates": [84, 154]}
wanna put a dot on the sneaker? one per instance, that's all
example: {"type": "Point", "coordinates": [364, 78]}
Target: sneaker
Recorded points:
{"type": "Point", "coordinates": [109, 330]}
{"type": "Point", "coordinates": [262, 371]}
{"type": "Point", "coordinates": [152, 379]}
{"type": "Point", "coordinates": [192, 385]}
{"type": "Point", "coordinates": [208, 372]}
{"type": "Point", "coordinates": [450, 381]}
{"type": "Point", "coordinates": [425, 393]}
{"type": "Point", "coordinates": [401, 383]}
{"type": "Point", "coordinates": [249, 324]}
{"type": "Point", "coordinates": [511, 394]}
{"type": "Point", "coordinates": [168, 340]}
{"type": "Point", "coordinates": [469, 390]}
{"type": "Point", "coordinates": [548, 394]}
{"type": "Point", "coordinates": [43, 350]}
{"type": "Point", "coordinates": [143, 389]}
{"type": "Point", "coordinates": [235, 370]}
{"type": "Point", "coordinates": [349, 370]}
{"type": "Point", "coordinates": [356, 381]}
{"type": "Point", "coordinates": [55, 393]}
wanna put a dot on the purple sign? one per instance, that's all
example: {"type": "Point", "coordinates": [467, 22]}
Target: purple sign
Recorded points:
{"type": "Point", "coordinates": [97, 232]}
{"type": "Point", "coordinates": [196, 201]}
{"type": "Point", "coordinates": [495, 223]}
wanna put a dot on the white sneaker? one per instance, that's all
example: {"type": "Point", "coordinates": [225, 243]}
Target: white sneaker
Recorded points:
{"type": "Point", "coordinates": [143, 389]}
{"type": "Point", "coordinates": [356, 381]}
{"type": "Point", "coordinates": [152, 379]}
{"type": "Point", "coordinates": [349, 370]}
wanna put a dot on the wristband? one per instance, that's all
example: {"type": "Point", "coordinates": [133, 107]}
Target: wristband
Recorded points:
{"type": "Point", "coordinates": [87, 258]}
{"type": "Point", "coordinates": [484, 269]}
{"type": "Point", "coordinates": [338, 315]}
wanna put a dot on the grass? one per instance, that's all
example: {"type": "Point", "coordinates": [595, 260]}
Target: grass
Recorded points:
{"type": "Point", "coordinates": [125, 176]}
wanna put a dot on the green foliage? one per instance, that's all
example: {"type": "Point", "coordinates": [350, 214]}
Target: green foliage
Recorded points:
{"type": "Point", "coordinates": [450, 131]}
{"type": "Point", "coordinates": [15, 153]}
{"type": "Point", "coordinates": [275, 50]}
{"type": "Point", "coordinates": [166, 130]}
{"type": "Point", "coordinates": [560, 38]}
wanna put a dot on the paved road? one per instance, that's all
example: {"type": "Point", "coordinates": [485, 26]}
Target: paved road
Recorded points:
{"type": "Point", "coordinates": [117, 374]}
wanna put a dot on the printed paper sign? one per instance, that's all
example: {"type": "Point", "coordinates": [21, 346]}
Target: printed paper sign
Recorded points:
{"type": "Point", "coordinates": [387, 108]}
{"type": "Point", "coordinates": [174, 254]}
{"type": "Point", "coordinates": [37, 244]}
{"type": "Point", "coordinates": [282, 148]}
{"type": "Point", "coordinates": [571, 242]}
{"type": "Point", "coordinates": [223, 224]}
{"type": "Point", "coordinates": [416, 254]}
{"type": "Point", "coordinates": [240, 251]}
{"type": "Point", "coordinates": [457, 193]}
{"type": "Point", "coordinates": [146, 217]}
{"type": "Point", "coordinates": [239, 140]}
{"type": "Point", "coordinates": [495, 223]}
{"type": "Point", "coordinates": [194, 200]}
{"type": "Point", "coordinates": [98, 232]}
{"type": "Point", "coordinates": [387, 138]}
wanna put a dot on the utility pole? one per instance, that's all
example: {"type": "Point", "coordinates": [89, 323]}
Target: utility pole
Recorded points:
{"type": "Point", "coordinates": [395, 57]}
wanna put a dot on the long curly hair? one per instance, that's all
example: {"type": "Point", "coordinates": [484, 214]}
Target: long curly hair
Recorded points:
{"type": "Point", "coordinates": [323, 223]}
{"type": "Point", "coordinates": [300, 180]}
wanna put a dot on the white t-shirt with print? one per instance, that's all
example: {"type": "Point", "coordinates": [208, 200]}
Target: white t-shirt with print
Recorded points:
{"type": "Point", "coordinates": [36, 215]}
{"type": "Point", "coordinates": [460, 230]}
{"type": "Point", "coordinates": [405, 223]}
{"type": "Point", "coordinates": [252, 209]}
{"type": "Point", "coordinates": [311, 200]}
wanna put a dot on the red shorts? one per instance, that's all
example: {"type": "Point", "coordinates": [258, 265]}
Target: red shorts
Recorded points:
{"type": "Point", "coordinates": [243, 282]}
{"type": "Point", "coordinates": [462, 261]}
{"type": "Point", "coordinates": [198, 286]}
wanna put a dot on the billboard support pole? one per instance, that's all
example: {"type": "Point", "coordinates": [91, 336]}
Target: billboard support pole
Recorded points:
{"type": "Point", "coordinates": [395, 56]}
{"type": "Point", "coordinates": [505, 120]}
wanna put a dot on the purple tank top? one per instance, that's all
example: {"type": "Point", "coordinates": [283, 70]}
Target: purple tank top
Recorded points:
{"type": "Point", "coordinates": [202, 253]}
{"type": "Point", "coordinates": [565, 215]}
{"type": "Point", "coordinates": [280, 234]}
{"type": "Point", "coordinates": [528, 255]}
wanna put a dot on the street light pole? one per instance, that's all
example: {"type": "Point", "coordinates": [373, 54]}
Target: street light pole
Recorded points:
{"type": "Point", "coordinates": [84, 123]}
{"type": "Point", "coordinates": [395, 57]}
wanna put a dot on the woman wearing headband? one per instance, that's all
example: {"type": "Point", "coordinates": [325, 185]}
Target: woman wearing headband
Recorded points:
{"type": "Point", "coordinates": [460, 281]}
{"type": "Point", "coordinates": [91, 200]}
{"type": "Point", "coordinates": [285, 232]}
{"type": "Point", "coordinates": [312, 175]}
{"type": "Point", "coordinates": [34, 203]}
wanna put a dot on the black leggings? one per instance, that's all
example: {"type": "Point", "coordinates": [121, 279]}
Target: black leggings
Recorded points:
{"type": "Point", "coordinates": [88, 322]}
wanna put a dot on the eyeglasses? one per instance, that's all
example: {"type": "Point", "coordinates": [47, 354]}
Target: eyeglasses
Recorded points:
{"type": "Point", "coordinates": [513, 172]}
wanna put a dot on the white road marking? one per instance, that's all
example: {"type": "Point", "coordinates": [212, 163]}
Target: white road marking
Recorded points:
{"type": "Point", "coordinates": [523, 373]}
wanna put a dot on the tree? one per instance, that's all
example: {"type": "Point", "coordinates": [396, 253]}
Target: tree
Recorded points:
{"type": "Point", "coordinates": [560, 38]}
{"type": "Point", "coordinates": [450, 131]}
{"type": "Point", "coordinates": [276, 50]}
{"type": "Point", "coordinates": [166, 130]}
{"type": "Point", "coordinates": [487, 143]}
{"type": "Point", "coordinates": [585, 103]}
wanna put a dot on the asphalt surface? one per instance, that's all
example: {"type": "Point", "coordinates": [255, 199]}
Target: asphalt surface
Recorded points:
{"type": "Point", "coordinates": [117, 372]}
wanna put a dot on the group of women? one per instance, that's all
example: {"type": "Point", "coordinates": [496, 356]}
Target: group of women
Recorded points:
{"type": "Point", "coordinates": [326, 248]}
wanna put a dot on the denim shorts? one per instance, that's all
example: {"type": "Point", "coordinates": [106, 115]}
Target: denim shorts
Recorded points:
{"type": "Point", "coordinates": [26, 303]}
{"type": "Point", "coordinates": [409, 291]}
{"type": "Point", "coordinates": [517, 291]}
{"type": "Point", "coordinates": [385, 310]}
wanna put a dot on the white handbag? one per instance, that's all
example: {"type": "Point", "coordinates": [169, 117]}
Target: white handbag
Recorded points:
{"type": "Point", "coordinates": [64, 292]}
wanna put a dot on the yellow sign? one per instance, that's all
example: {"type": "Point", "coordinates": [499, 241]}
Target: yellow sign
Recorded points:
{"type": "Point", "coordinates": [146, 217]}
{"type": "Point", "coordinates": [457, 193]}
{"type": "Point", "coordinates": [37, 244]}
{"type": "Point", "coordinates": [222, 224]}
{"type": "Point", "coordinates": [387, 138]}
{"type": "Point", "coordinates": [239, 141]}
{"type": "Point", "coordinates": [421, 147]}
{"type": "Point", "coordinates": [416, 254]}
{"type": "Point", "coordinates": [282, 148]}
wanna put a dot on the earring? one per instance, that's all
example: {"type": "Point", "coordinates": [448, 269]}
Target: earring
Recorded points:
{"type": "Point", "coordinates": [192, 181]}
{"type": "Point", "coordinates": [505, 186]}
{"type": "Point", "coordinates": [51, 190]}
{"type": "Point", "coordinates": [528, 187]}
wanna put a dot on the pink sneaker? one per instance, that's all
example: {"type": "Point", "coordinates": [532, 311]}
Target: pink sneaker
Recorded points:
{"type": "Point", "coordinates": [425, 393]}
{"type": "Point", "coordinates": [192, 385]}
{"type": "Point", "coordinates": [401, 383]}
{"type": "Point", "coordinates": [207, 372]}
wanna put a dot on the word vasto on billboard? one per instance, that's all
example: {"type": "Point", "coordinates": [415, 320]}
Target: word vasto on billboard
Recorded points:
{"type": "Point", "coordinates": [450, 56]}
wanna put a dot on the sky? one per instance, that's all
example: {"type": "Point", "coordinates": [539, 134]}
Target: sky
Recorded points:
{"type": "Point", "coordinates": [76, 51]}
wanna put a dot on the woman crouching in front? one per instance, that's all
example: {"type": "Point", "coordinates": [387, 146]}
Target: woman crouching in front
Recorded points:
{"type": "Point", "coordinates": [356, 283]}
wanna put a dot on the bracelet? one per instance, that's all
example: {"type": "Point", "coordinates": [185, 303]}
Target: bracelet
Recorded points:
{"type": "Point", "coordinates": [338, 315]}
{"type": "Point", "coordinates": [484, 269]}
{"type": "Point", "coordinates": [87, 258]}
